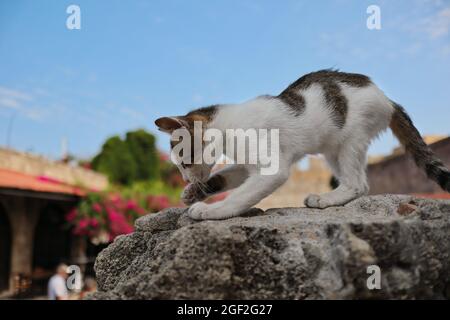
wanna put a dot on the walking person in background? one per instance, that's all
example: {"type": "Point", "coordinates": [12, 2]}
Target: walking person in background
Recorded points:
{"type": "Point", "coordinates": [57, 289]}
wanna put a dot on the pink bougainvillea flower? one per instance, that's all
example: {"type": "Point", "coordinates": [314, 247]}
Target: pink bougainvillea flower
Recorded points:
{"type": "Point", "coordinates": [77, 231]}
{"type": "Point", "coordinates": [110, 214]}
{"type": "Point", "coordinates": [71, 215]}
{"type": "Point", "coordinates": [97, 207]}
{"type": "Point", "coordinates": [94, 222]}
{"type": "Point", "coordinates": [118, 224]}
{"type": "Point", "coordinates": [49, 179]}
{"type": "Point", "coordinates": [158, 203]}
{"type": "Point", "coordinates": [83, 223]}
{"type": "Point", "coordinates": [131, 205]}
{"type": "Point", "coordinates": [115, 198]}
{"type": "Point", "coordinates": [140, 210]}
{"type": "Point", "coordinates": [126, 228]}
{"type": "Point", "coordinates": [113, 215]}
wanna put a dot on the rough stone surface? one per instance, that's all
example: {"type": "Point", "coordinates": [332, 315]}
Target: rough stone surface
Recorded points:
{"type": "Point", "coordinates": [288, 253]}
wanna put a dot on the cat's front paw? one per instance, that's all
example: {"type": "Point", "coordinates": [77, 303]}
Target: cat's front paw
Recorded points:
{"type": "Point", "coordinates": [316, 201]}
{"type": "Point", "coordinates": [214, 211]}
{"type": "Point", "coordinates": [198, 210]}
{"type": "Point", "coordinates": [192, 193]}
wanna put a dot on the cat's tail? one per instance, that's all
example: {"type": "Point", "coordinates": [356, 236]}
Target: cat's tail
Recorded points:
{"type": "Point", "coordinates": [405, 131]}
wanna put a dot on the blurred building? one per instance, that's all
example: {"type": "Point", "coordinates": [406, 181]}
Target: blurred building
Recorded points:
{"type": "Point", "coordinates": [35, 195]}
{"type": "Point", "coordinates": [397, 172]}
{"type": "Point", "coordinates": [314, 179]}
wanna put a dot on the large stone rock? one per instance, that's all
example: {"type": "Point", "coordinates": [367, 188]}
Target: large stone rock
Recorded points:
{"type": "Point", "coordinates": [288, 253]}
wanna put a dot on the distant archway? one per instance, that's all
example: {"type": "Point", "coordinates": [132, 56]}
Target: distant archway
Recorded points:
{"type": "Point", "coordinates": [52, 243]}
{"type": "Point", "coordinates": [5, 249]}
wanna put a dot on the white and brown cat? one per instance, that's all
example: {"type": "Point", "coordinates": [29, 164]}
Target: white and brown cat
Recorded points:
{"type": "Point", "coordinates": [327, 112]}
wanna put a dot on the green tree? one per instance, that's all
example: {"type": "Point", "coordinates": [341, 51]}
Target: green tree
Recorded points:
{"type": "Point", "coordinates": [116, 161]}
{"type": "Point", "coordinates": [129, 160]}
{"type": "Point", "coordinates": [141, 145]}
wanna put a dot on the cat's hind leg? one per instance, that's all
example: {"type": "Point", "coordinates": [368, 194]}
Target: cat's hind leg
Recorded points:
{"type": "Point", "coordinates": [349, 165]}
{"type": "Point", "coordinates": [332, 160]}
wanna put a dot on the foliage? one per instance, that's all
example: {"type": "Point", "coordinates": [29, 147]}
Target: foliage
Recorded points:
{"type": "Point", "coordinates": [141, 145]}
{"type": "Point", "coordinates": [103, 216]}
{"type": "Point", "coordinates": [140, 190]}
{"type": "Point", "coordinates": [170, 175]}
{"type": "Point", "coordinates": [116, 161]}
{"type": "Point", "coordinates": [129, 160]}
{"type": "Point", "coordinates": [143, 181]}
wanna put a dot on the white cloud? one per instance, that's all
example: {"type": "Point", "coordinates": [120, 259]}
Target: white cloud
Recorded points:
{"type": "Point", "coordinates": [13, 99]}
{"type": "Point", "coordinates": [33, 113]}
{"type": "Point", "coordinates": [21, 102]}
{"type": "Point", "coordinates": [7, 102]}
{"type": "Point", "coordinates": [438, 25]}
{"type": "Point", "coordinates": [11, 96]}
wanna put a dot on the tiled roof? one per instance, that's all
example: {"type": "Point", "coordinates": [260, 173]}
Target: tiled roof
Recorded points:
{"type": "Point", "coordinates": [37, 166]}
{"type": "Point", "coordinates": [17, 180]}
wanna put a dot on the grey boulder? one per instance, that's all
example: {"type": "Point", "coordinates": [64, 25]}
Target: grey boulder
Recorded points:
{"type": "Point", "coordinates": [287, 253]}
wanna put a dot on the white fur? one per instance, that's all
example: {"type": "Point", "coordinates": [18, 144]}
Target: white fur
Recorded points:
{"type": "Point", "coordinates": [312, 132]}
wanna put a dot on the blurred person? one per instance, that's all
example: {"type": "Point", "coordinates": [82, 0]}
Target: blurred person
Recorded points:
{"type": "Point", "coordinates": [57, 289]}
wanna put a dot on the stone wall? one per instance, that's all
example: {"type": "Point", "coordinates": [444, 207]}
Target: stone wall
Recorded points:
{"type": "Point", "coordinates": [315, 179]}
{"type": "Point", "coordinates": [399, 174]}
{"type": "Point", "coordinates": [38, 166]}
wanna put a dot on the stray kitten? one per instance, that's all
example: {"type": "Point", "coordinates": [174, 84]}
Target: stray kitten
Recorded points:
{"type": "Point", "coordinates": [333, 113]}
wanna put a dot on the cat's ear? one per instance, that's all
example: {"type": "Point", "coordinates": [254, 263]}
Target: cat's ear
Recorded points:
{"type": "Point", "coordinates": [169, 124]}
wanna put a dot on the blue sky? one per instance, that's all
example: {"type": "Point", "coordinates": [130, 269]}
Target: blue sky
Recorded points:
{"type": "Point", "coordinates": [133, 61]}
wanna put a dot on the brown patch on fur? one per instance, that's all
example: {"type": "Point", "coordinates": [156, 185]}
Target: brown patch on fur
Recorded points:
{"type": "Point", "coordinates": [329, 81]}
{"type": "Point", "coordinates": [216, 183]}
{"type": "Point", "coordinates": [351, 79]}
{"type": "Point", "coordinates": [403, 128]}
{"type": "Point", "coordinates": [294, 100]}
{"type": "Point", "coordinates": [204, 115]}
{"type": "Point", "coordinates": [336, 101]}
{"type": "Point", "coordinates": [405, 131]}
